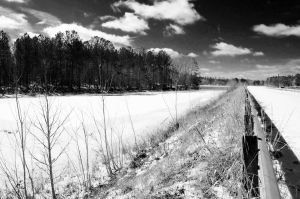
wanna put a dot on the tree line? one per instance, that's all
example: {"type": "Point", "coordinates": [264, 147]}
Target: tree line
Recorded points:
{"type": "Point", "coordinates": [215, 81]}
{"type": "Point", "coordinates": [284, 81]}
{"type": "Point", "coordinates": [228, 82]}
{"type": "Point", "coordinates": [65, 63]}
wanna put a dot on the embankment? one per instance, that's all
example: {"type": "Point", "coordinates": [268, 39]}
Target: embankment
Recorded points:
{"type": "Point", "coordinates": [198, 157]}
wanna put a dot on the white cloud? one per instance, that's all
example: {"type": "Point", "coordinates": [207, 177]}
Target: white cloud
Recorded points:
{"type": "Point", "coordinates": [169, 51]}
{"type": "Point", "coordinates": [278, 30]}
{"type": "Point", "coordinates": [180, 11]}
{"type": "Point", "coordinates": [85, 14]}
{"type": "Point", "coordinates": [214, 62]}
{"type": "Point", "coordinates": [17, 24]}
{"type": "Point", "coordinates": [16, 1]}
{"type": "Point", "coordinates": [13, 23]}
{"type": "Point", "coordinates": [128, 23]}
{"type": "Point", "coordinates": [174, 54]}
{"type": "Point", "coordinates": [86, 33]}
{"type": "Point", "coordinates": [30, 34]}
{"type": "Point", "coordinates": [224, 49]}
{"type": "Point", "coordinates": [173, 29]}
{"type": "Point", "coordinates": [291, 66]}
{"type": "Point", "coordinates": [44, 17]}
{"type": "Point", "coordinates": [193, 55]}
{"type": "Point", "coordinates": [259, 53]}
{"type": "Point", "coordinates": [265, 67]}
{"type": "Point", "coordinates": [107, 17]}
{"type": "Point", "coordinates": [294, 62]}
{"type": "Point", "coordinates": [204, 69]}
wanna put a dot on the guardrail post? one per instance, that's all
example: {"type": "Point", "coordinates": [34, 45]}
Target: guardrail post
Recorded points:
{"type": "Point", "coordinates": [248, 119]}
{"type": "Point", "coordinates": [250, 156]}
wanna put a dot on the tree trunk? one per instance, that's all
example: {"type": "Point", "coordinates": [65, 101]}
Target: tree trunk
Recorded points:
{"type": "Point", "coordinates": [50, 164]}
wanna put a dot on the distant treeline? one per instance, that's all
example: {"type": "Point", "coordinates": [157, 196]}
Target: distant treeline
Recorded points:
{"type": "Point", "coordinates": [214, 81]}
{"type": "Point", "coordinates": [284, 81]}
{"type": "Point", "coordinates": [224, 81]}
{"type": "Point", "coordinates": [67, 64]}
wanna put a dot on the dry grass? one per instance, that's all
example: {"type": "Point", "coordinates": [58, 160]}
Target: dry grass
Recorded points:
{"type": "Point", "coordinates": [198, 157]}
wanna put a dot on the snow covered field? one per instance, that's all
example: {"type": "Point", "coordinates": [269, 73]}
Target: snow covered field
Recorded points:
{"type": "Point", "coordinates": [147, 111]}
{"type": "Point", "coordinates": [283, 108]}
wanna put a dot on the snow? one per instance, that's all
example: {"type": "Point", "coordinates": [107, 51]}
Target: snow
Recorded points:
{"type": "Point", "coordinates": [283, 108]}
{"type": "Point", "coordinates": [148, 112]}
{"type": "Point", "coordinates": [221, 192]}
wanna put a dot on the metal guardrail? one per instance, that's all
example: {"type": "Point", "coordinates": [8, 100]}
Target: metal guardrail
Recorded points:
{"type": "Point", "coordinates": [250, 158]}
{"type": "Point", "coordinates": [250, 154]}
{"type": "Point", "coordinates": [268, 188]}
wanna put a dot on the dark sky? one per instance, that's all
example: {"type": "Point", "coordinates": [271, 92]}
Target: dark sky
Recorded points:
{"type": "Point", "coordinates": [245, 38]}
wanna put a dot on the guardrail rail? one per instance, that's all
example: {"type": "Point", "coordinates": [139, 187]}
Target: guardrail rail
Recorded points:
{"type": "Point", "coordinates": [260, 179]}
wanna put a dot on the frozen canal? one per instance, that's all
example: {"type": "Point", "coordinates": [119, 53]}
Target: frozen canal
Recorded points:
{"type": "Point", "coordinates": [283, 108]}
{"type": "Point", "coordinates": [126, 115]}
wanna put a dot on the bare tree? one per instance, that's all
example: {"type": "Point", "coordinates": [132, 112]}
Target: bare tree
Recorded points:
{"type": "Point", "coordinates": [19, 142]}
{"type": "Point", "coordinates": [22, 135]}
{"type": "Point", "coordinates": [107, 148]}
{"type": "Point", "coordinates": [84, 167]}
{"type": "Point", "coordinates": [86, 142]}
{"type": "Point", "coordinates": [105, 142]}
{"type": "Point", "coordinates": [132, 126]}
{"type": "Point", "coordinates": [51, 128]}
{"type": "Point", "coordinates": [11, 174]}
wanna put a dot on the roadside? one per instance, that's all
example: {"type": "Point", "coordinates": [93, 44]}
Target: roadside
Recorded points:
{"type": "Point", "coordinates": [199, 157]}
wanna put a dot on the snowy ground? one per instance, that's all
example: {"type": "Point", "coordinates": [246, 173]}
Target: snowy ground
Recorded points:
{"type": "Point", "coordinates": [148, 111]}
{"type": "Point", "coordinates": [283, 107]}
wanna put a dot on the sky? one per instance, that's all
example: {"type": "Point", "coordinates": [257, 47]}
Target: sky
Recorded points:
{"type": "Point", "coordinates": [251, 39]}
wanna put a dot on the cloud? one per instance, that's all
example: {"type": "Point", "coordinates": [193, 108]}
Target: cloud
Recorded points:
{"type": "Point", "coordinates": [107, 17]}
{"type": "Point", "coordinates": [214, 62]}
{"type": "Point", "coordinates": [128, 23]}
{"type": "Point", "coordinates": [32, 34]}
{"type": "Point", "coordinates": [259, 53]}
{"type": "Point", "coordinates": [85, 14]}
{"type": "Point", "coordinates": [44, 17]}
{"type": "Point", "coordinates": [173, 29]}
{"type": "Point", "coordinates": [169, 51]}
{"type": "Point", "coordinates": [16, 24]}
{"type": "Point", "coordinates": [291, 66]}
{"type": "Point", "coordinates": [225, 49]}
{"type": "Point", "coordinates": [204, 69]}
{"type": "Point", "coordinates": [181, 12]}
{"type": "Point", "coordinates": [17, 1]}
{"type": "Point", "coordinates": [174, 54]}
{"type": "Point", "coordinates": [13, 23]}
{"type": "Point", "coordinates": [265, 67]}
{"type": "Point", "coordinates": [278, 30]}
{"type": "Point", "coordinates": [193, 55]}
{"type": "Point", "coordinates": [294, 62]}
{"type": "Point", "coordinates": [86, 33]}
